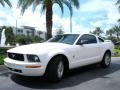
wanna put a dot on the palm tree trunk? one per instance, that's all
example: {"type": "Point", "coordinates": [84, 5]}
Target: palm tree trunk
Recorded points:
{"type": "Point", "coordinates": [110, 34]}
{"type": "Point", "coordinates": [49, 14]}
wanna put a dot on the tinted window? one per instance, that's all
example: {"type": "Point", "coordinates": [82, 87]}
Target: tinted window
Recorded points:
{"type": "Point", "coordinates": [66, 38]}
{"type": "Point", "coordinates": [100, 39]}
{"type": "Point", "coordinates": [87, 39]}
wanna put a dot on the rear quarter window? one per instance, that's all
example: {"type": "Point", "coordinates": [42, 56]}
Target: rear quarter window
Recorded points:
{"type": "Point", "coordinates": [100, 39]}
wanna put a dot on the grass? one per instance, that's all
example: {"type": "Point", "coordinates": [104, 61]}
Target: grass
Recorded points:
{"type": "Point", "coordinates": [117, 52]}
{"type": "Point", "coordinates": [2, 56]}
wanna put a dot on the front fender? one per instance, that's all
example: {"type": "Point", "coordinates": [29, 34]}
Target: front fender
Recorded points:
{"type": "Point", "coordinates": [47, 57]}
{"type": "Point", "coordinates": [57, 52]}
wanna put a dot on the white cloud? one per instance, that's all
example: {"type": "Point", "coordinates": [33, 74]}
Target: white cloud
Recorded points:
{"type": "Point", "coordinates": [91, 6]}
{"type": "Point", "coordinates": [65, 23]}
{"type": "Point", "coordinates": [107, 7]}
{"type": "Point", "coordinates": [113, 15]}
{"type": "Point", "coordinates": [99, 23]}
{"type": "Point", "coordinates": [31, 19]}
{"type": "Point", "coordinates": [96, 5]}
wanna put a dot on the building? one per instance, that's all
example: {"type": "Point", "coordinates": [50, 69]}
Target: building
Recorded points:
{"type": "Point", "coordinates": [41, 34]}
{"type": "Point", "coordinates": [27, 31]}
{"type": "Point", "coordinates": [24, 30]}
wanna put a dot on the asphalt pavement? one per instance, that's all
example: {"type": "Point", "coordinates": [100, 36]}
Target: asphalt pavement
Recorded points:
{"type": "Point", "coordinates": [3, 69]}
{"type": "Point", "coordinates": [92, 77]}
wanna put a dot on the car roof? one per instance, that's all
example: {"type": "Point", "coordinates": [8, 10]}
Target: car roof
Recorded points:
{"type": "Point", "coordinates": [80, 34]}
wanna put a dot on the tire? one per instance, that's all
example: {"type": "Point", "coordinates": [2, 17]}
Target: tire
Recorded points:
{"type": "Point", "coordinates": [55, 70]}
{"type": "Point", "coordinates": [105, 63]}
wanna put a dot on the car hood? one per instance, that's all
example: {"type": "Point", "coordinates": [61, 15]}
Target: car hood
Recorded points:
{"type": "Point", "coordinates": [38, 48]}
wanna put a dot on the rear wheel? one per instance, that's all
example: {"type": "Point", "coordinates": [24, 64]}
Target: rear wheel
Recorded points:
{"type": "Point", "coordinates": [106, 60]}
{"type": "Point", "coordinates": [55, 70]}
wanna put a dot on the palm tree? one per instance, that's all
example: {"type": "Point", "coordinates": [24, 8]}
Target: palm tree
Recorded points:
{"type": "Point", "coordinates": [110, 32]}
{"type": "Point", "coordinates": [118, 3]}
{"type": "Point", "coordinates": [47, 6]}
{"type": "Point", "coordinates": [2, 2]}
{"type": "Point", "coordinates": [60, 31]}
{"type": "Point", "coordinates": [97, 31]}
{"type": "Point", "coordinates": [116, 30]}
{"type": "Point", "coordinates": [118, 20]}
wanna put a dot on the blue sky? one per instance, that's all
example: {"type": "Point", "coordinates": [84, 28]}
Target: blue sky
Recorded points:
{"type": "Point", "coordinates": [91, 14]}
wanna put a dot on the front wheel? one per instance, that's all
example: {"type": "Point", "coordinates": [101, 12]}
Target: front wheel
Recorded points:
{"type": "Point", "coordinates": [55, 70]}
{"type": "Point", "coordinates": [105, 63]}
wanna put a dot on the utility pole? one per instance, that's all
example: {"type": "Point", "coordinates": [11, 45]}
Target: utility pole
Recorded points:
{"type": "Point", "coordinates": [70, 20]}
{"type": "Point", "coordinates": [16, 27]}
{"type": "Point", "coordinates": [70, 23]}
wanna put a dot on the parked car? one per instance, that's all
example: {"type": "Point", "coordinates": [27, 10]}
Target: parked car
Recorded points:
{"type": "Point", "coordinates": [117, 43]}
{"type": "Point", "coordinates": [59, 54]}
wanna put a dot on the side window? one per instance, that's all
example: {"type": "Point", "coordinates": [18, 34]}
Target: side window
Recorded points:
{"type": "Point", "coordinates": [87, 39]}
{"type": "Point", "coordinates": [100, 39]}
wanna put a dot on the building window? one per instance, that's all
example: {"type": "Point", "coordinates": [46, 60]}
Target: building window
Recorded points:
{"type": "Point", "coordinates": [20, 31]}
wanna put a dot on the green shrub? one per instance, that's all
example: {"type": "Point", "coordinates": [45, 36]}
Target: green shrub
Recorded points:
{"type": "Point", "coordinates": [22, 39]}
{"type": "Point", "coordinates": [117, 47]}
{"type": "Point", "coordinates": [117, 52]}
{"type": "Point", "coordinates": [2, 56]}
{"type": "Point", "coordinates": [3, 51]}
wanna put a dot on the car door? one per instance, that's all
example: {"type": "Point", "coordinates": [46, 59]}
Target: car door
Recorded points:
{"type": "Point", "coordinates": [86, 50]}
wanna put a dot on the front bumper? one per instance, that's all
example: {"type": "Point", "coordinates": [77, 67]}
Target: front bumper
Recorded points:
{"type": "Point", "coordinates": [24, 68]}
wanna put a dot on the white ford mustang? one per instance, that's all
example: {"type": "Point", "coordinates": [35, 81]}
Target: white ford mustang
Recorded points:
{"type": "Point", "coordinates": [59, 54]}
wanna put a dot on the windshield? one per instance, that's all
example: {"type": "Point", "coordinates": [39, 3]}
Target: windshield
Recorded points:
{"type": "Point", "coordinates": [66, 38]}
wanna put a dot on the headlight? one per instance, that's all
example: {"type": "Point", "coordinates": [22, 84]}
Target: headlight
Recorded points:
{"type": "Point", "coordinates": [33, 58]}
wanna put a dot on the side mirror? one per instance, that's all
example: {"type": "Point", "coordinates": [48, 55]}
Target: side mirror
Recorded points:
{"type": "Point", "coordinates": [80, 43]}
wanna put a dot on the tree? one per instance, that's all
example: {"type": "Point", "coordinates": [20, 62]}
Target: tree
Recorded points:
{"type": "Point", "coordinates": [9, 35]}
{"type": "Point", "coordinates": [47, 6]}
{"type": "Point", "coordinates": [118, 20]}
{"type": "Point", "coordinates": [2, 2]}
{"type": "Point", "coordinates": [60, 31]}
{"type": "Point", "coordinates": [22, 39]}
{"type": "Point", "coordinates": [116, 30]}
{"type": "Point", "coordinates": [113, 39]}
{"type": "Point", "coordinates": [97, 31]}
{"type": "Point", "coordinates": [37, 39]}
{"type": "Point", "coordinates": [0, 34]}
{"type": "Point", "coordinates": [118, 3]}
{"type": "Point", "coordinates": [110, 32]}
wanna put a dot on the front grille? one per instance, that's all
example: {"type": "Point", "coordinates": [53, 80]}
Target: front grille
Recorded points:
{"type": "Point", "coordinates": [16, 56]}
